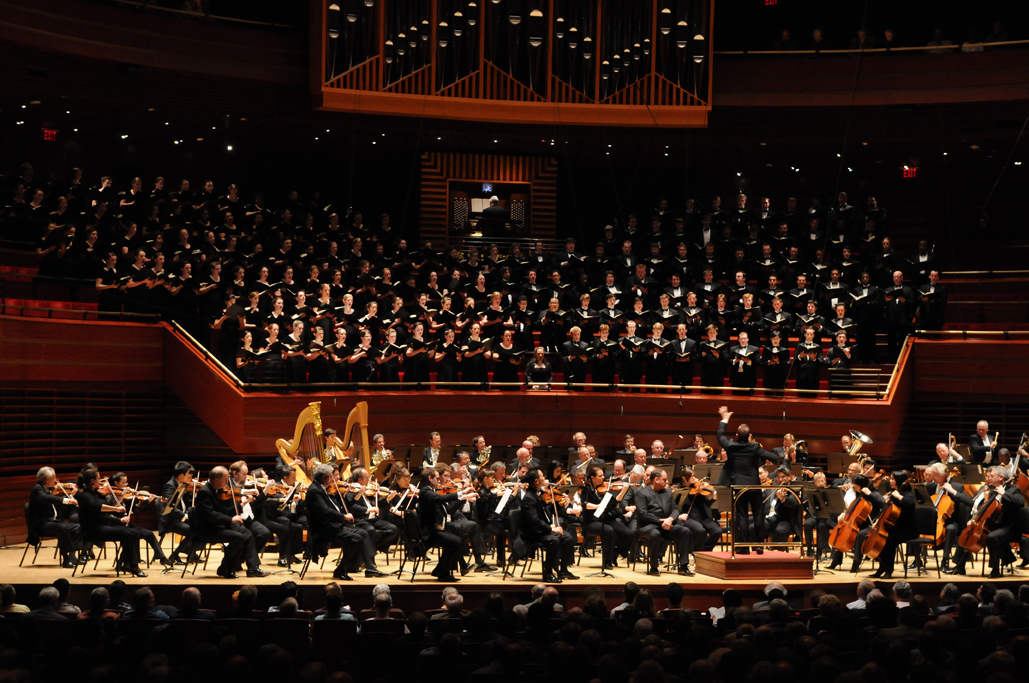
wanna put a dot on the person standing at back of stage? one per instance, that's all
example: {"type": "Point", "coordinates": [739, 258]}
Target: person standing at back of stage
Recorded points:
{"type": "Point", "coordinates": [745, 458]}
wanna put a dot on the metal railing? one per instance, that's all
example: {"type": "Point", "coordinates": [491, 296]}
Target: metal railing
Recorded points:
{"type": "Point", "coordinates": [86, 314]}
{"type": "Point", "coordinates": [186, 14]}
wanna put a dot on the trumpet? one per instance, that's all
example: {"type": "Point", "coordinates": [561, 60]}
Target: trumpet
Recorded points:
{"type": "Point", "coordinates": [483, 456]}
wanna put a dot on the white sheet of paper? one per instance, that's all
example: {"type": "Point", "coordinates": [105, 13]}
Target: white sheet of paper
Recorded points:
{"type": "Point", "coordinates": [603, 505]}
{"type": "Point", "coordinates": [503, 501]}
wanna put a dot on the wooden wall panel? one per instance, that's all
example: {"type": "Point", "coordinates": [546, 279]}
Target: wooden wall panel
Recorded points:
{"type": "Point", "coordinates": [438, 168]}
{"type": "Point", "coordinates": [45, 350]}
{"type": "Point", "coordinates": [204, 390]}
{"type": "Point", "coordinates": [970, 367]}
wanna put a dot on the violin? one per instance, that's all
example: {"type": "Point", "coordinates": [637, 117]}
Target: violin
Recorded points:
{"type": "Point", "coordinates": [702, 487]}
{"type": "Point", "coordinates": [69, 489]}
{"type": "Point", "coordinates": [126, 493]}
{"type": "Point", "coordinates": [552, 496]}
{"type": "Point", "coordinates": [338, 488]}
{"type": "Point", "coordinates": [612, 486]}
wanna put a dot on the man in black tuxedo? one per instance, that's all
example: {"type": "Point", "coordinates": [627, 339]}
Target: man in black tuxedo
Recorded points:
{"type": "Point", "coordinates": [981, 445]}
{"type": "Point", "coordinates": [329, 520]}
{"type": "Point", "coordinates": [660, 522]}
{"type": "Point", "coordinates": [537, 528]}
{"type": "Point", "coordinates": [44, 518]}
{"type": "Point", "coordinates": [744, 458]}
{"type": "Point", "coordinates": [781, 509]}
{"type": "Point", "coordinates": [900, 308]}
{"type": "Point", "coordinates": [432, 516]}
{"type": "Point", "coordinates": [430, 456]}
{"type": "Point", "coordinates": [574, 354]}
{"type": "Point", "coordinates": [681, 364]}
{"type": "Point", "coordinates": [216, 525]}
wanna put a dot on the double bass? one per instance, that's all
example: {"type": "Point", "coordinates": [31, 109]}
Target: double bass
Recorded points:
{"type": "Point", "coordinates": [844, 535]}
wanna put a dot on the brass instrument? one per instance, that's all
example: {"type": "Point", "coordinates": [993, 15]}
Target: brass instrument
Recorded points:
{"type": "Point", "coordinates": [433, 457]}
{"type": "Point", "coordinates": [707, 449]}
{"type": "Point", "coordinates": [306, 444]}
{"type": "Point", "coordinates": [857, 439]}
{"type": "Point", "coordinates": [378, 457]}
{"type": "Point", "coordinates": [483, 456]}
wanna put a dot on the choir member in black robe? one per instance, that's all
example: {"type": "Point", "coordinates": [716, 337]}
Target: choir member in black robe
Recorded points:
{"type": "Point", "coordinates": [681, 355]}
{"type": "Point", "coordinates": [632, 356]}
{"type": "Point", "coordinates": [808, 358]}
{"type": "Point", "coordinates": [506, 359]}
{"type": "Point", "coordinates": [839, 359]}
{"type": "Point", "coordinates": [448, 360]}
{"type": "Point", "coordinates": [713, 359]}
{"type": "Point", "coordinates": [416, 358]}
{"type": "Point", "coordinates": [473, 350]}
{"type": "Point", "coordinates": [743, 362]}
{"type": "Point", "coordinates": [775, 358]}
{"type": "Point", "coordinates": [389, 360]}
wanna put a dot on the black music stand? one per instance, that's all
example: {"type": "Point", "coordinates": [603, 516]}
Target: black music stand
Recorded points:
{"type": "Point", "coordinates": [710, 471]}
{"type": "Point", "coordinates": [828, 503]}
{"type": "Point", "coordinates": [922, 497]}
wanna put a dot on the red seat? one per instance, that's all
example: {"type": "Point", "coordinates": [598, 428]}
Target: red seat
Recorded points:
{"type": "Point", "coordinates": [34, 308]}
{"type": "Point", "coordinates": [13, 306]}
{"type": "Point", "coordinates": [66, 310]}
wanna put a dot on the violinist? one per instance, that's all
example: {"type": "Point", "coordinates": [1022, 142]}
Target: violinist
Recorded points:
{"type": "Point", "coordinates": [937, 483]}
{"type": "Point", "coordinates": [782, 508]}
{"type": "Point", "coordinates": [406, 498]}
{"type": "Point", "coordinates": [432, 515]}
{"type": "Point", "coordinates": [281, 513]}
{"type": "Point", "coordinates": [904, 529]}
{"type": "Point", "coordinates": [245, 499]}
{"type": "Point", "coordinates": [330, 522]}
{"type": "Point", "coordinates": [493, 524]}
{"type": "Point", "coordinates": [541, 526]}
{"type": "Point", "coordinates": [214, 524]}
{"type": "Point", "coordinates": [364, 505]}
{"type": "Point", "coordinates": [1002, 532]}
{"type": "Point", "coordinates": [99, 524]}
{"type": "Point", "coordinates": [461, 514]}
{"type": "Point", "coordinates": [45, 518]}
{"type": "Point", "coordinates": [617, 539]}
{"type": "Point", "coordinates": [813, 522]}
{"type": "Point", "coordinates": [857, 486]}
{"type": "Point", "coordinates": [172, 510]}
{"type": "Point", "coordinates": [660, 522]}
{"type": "Point", "coordinates": [700, 518]}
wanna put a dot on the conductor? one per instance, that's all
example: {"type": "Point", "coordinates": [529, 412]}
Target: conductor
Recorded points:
{"type": "Point", "coordinates": [745, 457]}
{"type": "Point", "coordinates": [494, 219]}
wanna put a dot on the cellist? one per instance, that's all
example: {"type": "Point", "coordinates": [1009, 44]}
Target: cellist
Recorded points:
{"type": "Point", "coordinates": [904, 529]}
{"type": "Point", "coordinates": [1002, 532]}
{"type": "Point", "coordinates": [862, 487]}
{"type": "Point", "coordinates": [936, 476]}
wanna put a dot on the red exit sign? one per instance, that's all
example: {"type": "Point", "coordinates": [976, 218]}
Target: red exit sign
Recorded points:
{"type": "Point", "coordinates": [50, 134]}
{"type": "Point", "coordinates": [769, 3]}
{"type": "Point", "coordinates": [911, 171]}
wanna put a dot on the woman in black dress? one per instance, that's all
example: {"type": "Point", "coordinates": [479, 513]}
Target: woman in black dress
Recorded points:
{"type": "Point", "coordinates": [99, 525]}
{"type": "Point", "coordinates": [278, 315]}
{"type": "Point", "coordinates": [389, 360]}
{"type": "Point", "coordinates": [138, 284]}
{"type": "Point", "coordinates": [107, 283]}
{"type": "Point", "coordinates": [538, 373]}
{"type": "Point", "coordinates": [416, 371]}
{"type": "Point", "coordinates": [506, 361]}
{"type": "Point", "coordinates": [448, 359]}
{"type": "Point", "coordinates": [776, 360]}
{"type": "Point", "coordinates": [362, 360]}
{"type": "Point", "coordinates": [273, 368]}
{"type": "Point", "coordinates": [473, 367]}
{"type": "Point", "coordinates": [318, 367]}
{"type": "Point", "coordinates": [808, 358]}
{"type": "Point", "coordinates": [714, 354]}
{"type": "Point", "coordinates": [552, 326]}
{"type": "Point", "coordinates": [492, 320]}
{"type": "Point", "coordinates": [245, 357]}
{"type": "Point", "coordinates": [839, 359]}
{"type": "Point", "coordinates": [904, 529]}
{"type": "Point", "coordinates": [340, 353]}
{"type": "Point", "coordinates": [632, 354]}
{"type": "Point", "coordinates": [294, 352]}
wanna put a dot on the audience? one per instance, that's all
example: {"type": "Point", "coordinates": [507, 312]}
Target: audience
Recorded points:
{"type": "Point", "coordinates": [890, 639]}
{"type": "Point", "coordinates": [7, 600]}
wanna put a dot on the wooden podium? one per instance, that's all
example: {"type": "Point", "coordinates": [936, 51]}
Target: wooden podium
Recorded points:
{"type": "Point", "coordinates": [773, 563]}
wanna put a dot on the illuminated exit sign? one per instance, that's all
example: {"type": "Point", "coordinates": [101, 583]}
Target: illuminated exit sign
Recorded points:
{"type": "Point", "coordinates": [50, 134]}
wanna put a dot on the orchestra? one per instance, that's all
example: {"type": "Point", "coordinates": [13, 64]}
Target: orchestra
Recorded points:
{"type": "Point", "coordinates": [475, 511]}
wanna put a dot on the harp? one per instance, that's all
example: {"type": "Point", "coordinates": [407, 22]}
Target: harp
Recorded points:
{"type": "Point", "coordinates": [305, 449]}
{"type": "Point", "coordinates": [355, 436]}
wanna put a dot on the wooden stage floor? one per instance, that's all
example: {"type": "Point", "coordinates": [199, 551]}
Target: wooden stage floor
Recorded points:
{"type": "Point", "coordinates": [701, 591]}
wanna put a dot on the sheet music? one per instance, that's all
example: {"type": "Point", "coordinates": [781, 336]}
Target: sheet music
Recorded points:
{"type": "Point", "coordinates": [503, 501]}
{"type": "Point", "coordinates": [603, 505]}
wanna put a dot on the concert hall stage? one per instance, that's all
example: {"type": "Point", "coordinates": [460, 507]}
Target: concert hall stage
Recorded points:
{"type": "Point", "coordinates": [702, 592]}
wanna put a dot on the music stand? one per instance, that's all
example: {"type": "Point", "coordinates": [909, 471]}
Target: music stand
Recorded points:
{"type": "Point", "coordinates": [837, 462]}
{"type": "Point", "coordinates": [688, 456]}
{"type": "Point", "coordinates": [665, 464]}
{"type": "Point", "coordinates": [827, 503]}
{"type": "Point", "coordinates": [922, 497]}
{"type": "Point", "coordinates": [971, 473]}
{"type": "Point", "coordinates": [383, 469]}
{"type": "Point", "coordinates": [710, 471]}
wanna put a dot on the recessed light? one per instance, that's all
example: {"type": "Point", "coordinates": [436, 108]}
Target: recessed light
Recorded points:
{"type": "Point", "coordinates": [228, 148]}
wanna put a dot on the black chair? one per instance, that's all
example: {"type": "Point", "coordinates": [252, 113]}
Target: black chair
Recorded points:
{"type": "Point", "coordinates": [532, 550]}
{"type": "Point", "coordinates": [181, 631]}
{"type": "Point", "coordinates": [101, 553]}
{"type": "Point", "coordinates": [201, 548]}
{"type": "Point", "coordinates": [33, 541]}
{"type": "Point", "coordinates": [925, 524]}
{"type": "Point", "coordinates": [333, 641]}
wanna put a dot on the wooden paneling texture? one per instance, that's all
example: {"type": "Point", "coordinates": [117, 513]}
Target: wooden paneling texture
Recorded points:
{"type": "Point", "coordinates": [970, 368]}
{"type": "Point", "coordinates": [36, 350]}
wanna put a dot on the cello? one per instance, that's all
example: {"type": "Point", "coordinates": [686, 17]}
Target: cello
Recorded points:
{"type": "Point", "coordinates": [944, 505]}
{"type": "Point", "coordinates": [973, 536]}
{"type": "Point", "coordinates": [881, 528]}
{"type": "Point", "coordinates": [844, 535]}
